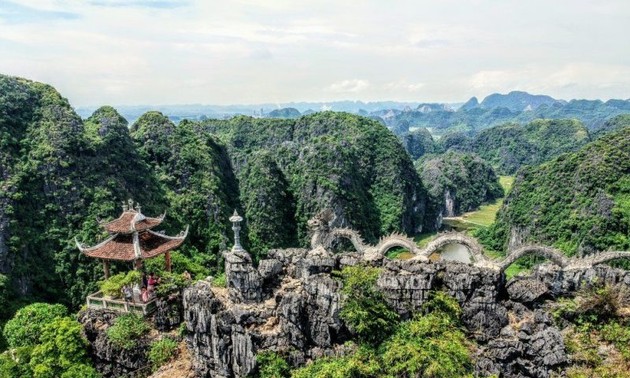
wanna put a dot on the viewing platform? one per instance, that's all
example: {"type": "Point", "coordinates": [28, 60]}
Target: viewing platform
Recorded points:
{"type": "Point", "coordinates": [99, 301]}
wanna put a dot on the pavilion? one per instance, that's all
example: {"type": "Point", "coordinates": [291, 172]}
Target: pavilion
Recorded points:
{"type": "Point", "coordinates": [132, 239]}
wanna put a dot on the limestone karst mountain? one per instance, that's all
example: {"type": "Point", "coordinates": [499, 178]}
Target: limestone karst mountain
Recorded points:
{"type": "Point", "coordinates": [578, 201]}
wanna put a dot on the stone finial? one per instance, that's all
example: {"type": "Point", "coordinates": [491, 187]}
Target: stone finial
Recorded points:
{"type": "Point", "coordinates": [236, 227]}
{"type": "Point", "coordinates": [129, 204]}
{"type": "Point", "coordinates": [138, 208]}
{"type": "Point", "coordinates": [124, 206]}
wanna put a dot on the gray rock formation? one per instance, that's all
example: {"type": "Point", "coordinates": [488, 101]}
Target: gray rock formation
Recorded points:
{"type": "Point", "coordinates": [530, 346]}
{"type": "Point", "coordinates": [301, 314]}
{"type": "Point", "coordinates": [291, 303]}
{"type": "Point", "coordinates": [109, 359]}
{"type": "Point", "coordinates": [298, 311]}
{"type": "Point", "coordinates": [169, 313]}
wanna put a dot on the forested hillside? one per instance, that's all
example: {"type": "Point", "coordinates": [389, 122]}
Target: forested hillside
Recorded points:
{"type": "Point", "coordinates": [579, 202]}
{"type": "Point", "coordinates": [418, 143]}
{"type": "Point", "coordinates": [60, 175]}
{"type": "Point", "coordinates": [348, 163]}
{"type": "Point", "coordinates": [510, 146]}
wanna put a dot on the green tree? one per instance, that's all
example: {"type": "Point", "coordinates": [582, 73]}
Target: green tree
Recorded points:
{"type": "Point", "coordinates": [162, 351]}
{"type": "Point", "coordinates": [126, 330]}
{"type": "Point", "coordinates": [62, 351]}
{"type": "Point", "coordinates": [271, 365]}
{"type": "Point", "coordinates": [430, 345]}
{"type": "Point", "coordinates": [26, 327]}
{"type": "Point", "coordinates": [364, 309]}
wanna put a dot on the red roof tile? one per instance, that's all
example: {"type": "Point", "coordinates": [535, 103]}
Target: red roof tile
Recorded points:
{"type": "Point", "coordinates": [121, 246]}
{"type": "Point", "coordinates": [130, 221]}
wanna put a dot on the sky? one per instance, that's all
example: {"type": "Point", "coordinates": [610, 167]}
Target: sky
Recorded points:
{"type": "Point", "coordinates": [157, 52]}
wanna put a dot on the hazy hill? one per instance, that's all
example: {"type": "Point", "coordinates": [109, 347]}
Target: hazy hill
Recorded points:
{"type": "Point", "coordinates": [284, 113]}
{"type": "Point", "coordinates": [517, 101]}
{"type": "Point", "coordinates": [497, 109]}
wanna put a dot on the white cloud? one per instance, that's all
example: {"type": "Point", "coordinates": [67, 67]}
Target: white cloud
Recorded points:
{"type": "Point", "coordinates": [404, 85]}
{"type": "Point", "coordinates": [348, 86]}
{"type": "Point", "coordinates": [234, 51]}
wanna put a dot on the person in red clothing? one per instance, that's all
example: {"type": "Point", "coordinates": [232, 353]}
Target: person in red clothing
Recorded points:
{"type": "Point", "coordinates": [151, 282]}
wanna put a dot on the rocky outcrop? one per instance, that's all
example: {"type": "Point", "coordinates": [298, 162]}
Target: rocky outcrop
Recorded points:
{"type": "Point", "coordinates": [530, 346]}
{"type": "Point", "coordinates": [297, 313]}
{"type": "Point", "coordinates": [290, 303]}
{"type": "Point", "coordinates": [111, 360]}
{"type": "Point", "coordinates": [299, 316]}
{"type": "Point", "coordinates": [169, 312]}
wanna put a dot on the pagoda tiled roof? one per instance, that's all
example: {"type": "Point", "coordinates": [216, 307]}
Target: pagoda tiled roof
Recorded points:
{"type": "Point", "coordinates": [130, 221]}
{"type": "Point", "coordinates": [129, 247]}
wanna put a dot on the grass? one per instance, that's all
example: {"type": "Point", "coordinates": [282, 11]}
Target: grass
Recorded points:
{"type": "Point", "coordinates": [487, 213]}
{"type": "Point", "coordinates": [483, 217]}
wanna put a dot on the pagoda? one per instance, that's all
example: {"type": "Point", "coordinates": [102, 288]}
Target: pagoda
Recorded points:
{"type": "Point", "coordinates": [132, 239]}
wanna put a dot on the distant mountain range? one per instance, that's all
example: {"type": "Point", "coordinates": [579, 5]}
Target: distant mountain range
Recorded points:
{"type": "Point", "coordinates": [440, 118]}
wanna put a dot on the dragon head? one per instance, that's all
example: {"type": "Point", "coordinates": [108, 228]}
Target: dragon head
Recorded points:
{"type": "Point", "coordinates": [321, 220]}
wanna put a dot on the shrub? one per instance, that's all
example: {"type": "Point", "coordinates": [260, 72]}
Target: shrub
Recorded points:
{"type": "Point", "coordinates": [25, 328]}
{"type": "Point", "coordinates": [81, 371]}
{"type": "Point", "coordinates": [169, 283]}
{"type": "Point", "coordinates": [4, 296]}
{"type": "Point", "coordinates": [430, 345]}
{"type": "Point", "coordinates": [596, 304]}
{"type": "Point", "coordinates": [363, 363]}
{"type": "Point", "coordinates": [364, 310]}
{"type": "Point", "coordinates": [62, 351]}
{"type": "Point", "coordinates": [126, 330]}
{"type": "Point", "coordinates": [114, 284]}
{"type": "Point", "coordinates": [14, 363]}
{"type": "Point", "coordinates": [162, 351]}
{"type": "Point", "coordinates": [220, 280]}
{"type": "Point", "coordinates": [618, 335]}
{"type": "Point", "coordinates": [272, 365]}
{"type": "Point", "coordinates": [196, 264]}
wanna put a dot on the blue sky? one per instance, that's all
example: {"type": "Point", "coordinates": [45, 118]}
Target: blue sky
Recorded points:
{"type": "Point", "coordinates": [224, 52]}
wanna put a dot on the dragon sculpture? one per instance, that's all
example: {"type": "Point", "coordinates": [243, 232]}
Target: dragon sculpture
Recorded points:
{"type": "Point", "coordinates": [323, 237]}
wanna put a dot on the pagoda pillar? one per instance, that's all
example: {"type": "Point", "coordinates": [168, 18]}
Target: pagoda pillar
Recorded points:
{"type": "Point", "coordinates": [138, 264]}
{"type": "Point", "coordinates": [167, 261]}
{"type": "Point", "coordinates": [106, 268]}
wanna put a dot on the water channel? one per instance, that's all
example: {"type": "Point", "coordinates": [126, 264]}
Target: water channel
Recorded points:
{"type": "Point", "coordinates": [455, 251]}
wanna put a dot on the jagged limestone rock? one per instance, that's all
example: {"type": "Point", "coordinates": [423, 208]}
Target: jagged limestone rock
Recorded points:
{"type": "Point", "coordinates": [111, 360]}
{"type": "Point", "coordinates": [169, 313]}
{"type": "Point", "coordinates": [527, 290]}
{"type": "Point", "coordinates": [244, 282]}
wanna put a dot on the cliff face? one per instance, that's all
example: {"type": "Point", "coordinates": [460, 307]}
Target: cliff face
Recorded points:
{"type": "Point", "coordinates": [457, 183]}
{"type": "Point", "coordinates": [291, 304]}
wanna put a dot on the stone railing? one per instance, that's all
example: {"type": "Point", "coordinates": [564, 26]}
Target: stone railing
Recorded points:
{"type": "Point", "coordinates": [99, 301]}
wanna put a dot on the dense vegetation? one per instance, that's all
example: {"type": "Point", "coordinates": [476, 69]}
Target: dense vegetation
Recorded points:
{"type": "Point", "coordinates": [508, 147]}
{"type": "Point", "coordinates": [418, 143]}
{"type": "Point", "coordinates": [578, 202]}
{"type": "Point", "coordinates": [596, 331]}
{"type": "Point", "coordinates": [60, 175]}
{"type": "Point", "coordinates": [348, 163]}
{"type": "Point", "coordinates": [45, 343]}
{"type": "Point", "coordinates": [194, 173]}
{"type": "Point", "coordinates": [458, 182]}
